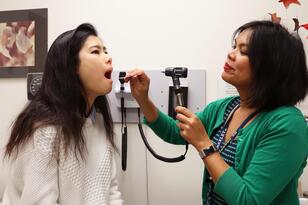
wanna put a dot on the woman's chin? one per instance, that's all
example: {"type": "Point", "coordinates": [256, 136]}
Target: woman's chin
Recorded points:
{"type": "Point", "coordinates": [224, 77]}
{"type": "Point", "coordinates": [108, 90]}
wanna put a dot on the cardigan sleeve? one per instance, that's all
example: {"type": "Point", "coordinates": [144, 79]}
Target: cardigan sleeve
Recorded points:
{"type": "Point", "coordinates": [41, 171]}
{"type": "Point", "coordinates": [165, 127]}
{"type": "Point", "coordinates": [279, 156]}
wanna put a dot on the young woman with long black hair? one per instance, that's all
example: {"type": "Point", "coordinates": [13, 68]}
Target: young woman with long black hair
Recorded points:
{"type": "Point", "coordinates": [61, 148]}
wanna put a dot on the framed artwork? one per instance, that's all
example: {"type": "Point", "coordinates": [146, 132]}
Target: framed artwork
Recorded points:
{"type": "Point", "coordinates": [23, 42]}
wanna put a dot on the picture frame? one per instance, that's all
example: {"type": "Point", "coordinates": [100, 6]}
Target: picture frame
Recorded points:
{"type": "Point", "coordinates": [23, 42]}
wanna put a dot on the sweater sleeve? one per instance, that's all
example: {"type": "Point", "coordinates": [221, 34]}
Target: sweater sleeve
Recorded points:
{"type": "Point", "coordinates": [114, 193]}
{"type": "Point", "coordinates": [278, 158]}
{"type": "Point", "coordinates": [40, 174]}
{"type": "Point", "coordinates": [165, 127]}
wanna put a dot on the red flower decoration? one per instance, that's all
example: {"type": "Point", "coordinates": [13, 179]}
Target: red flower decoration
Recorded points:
{"type": "Point", "coordinates": [304, 26]}
{"type": "Point", "coordinates": [287, 3]}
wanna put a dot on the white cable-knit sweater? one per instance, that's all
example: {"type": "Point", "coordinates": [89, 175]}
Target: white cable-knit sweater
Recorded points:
{"type": "Point", "coordinates": [36, 178]}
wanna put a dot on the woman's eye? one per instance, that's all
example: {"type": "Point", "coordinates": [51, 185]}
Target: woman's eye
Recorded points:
{"type": "Point", "coordinates": [106, 52]}
{"type": "Point", "coordinates": [95, 52]}
{"type": "Point", "coordinates": [244, 52]}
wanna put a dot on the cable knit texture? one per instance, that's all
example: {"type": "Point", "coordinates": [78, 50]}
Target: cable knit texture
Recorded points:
{"type": "Point", "coordinates": [41, 175]}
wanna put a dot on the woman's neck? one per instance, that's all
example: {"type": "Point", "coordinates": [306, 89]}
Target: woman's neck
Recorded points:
{"type": "Point", "coordinates": [245, 109]}
{"type": "Point", "coordinates": [244, 97]}
{"type": "Point", "coordinates": [244, 104]}
{"type": "Point", "coordinates": [90, 102]}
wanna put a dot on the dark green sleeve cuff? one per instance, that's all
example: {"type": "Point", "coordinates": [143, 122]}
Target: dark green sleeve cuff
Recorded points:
{"type": "Point", "coordinates": [228, 186]}
{"type": "Point", "coordinates": [155, 122]}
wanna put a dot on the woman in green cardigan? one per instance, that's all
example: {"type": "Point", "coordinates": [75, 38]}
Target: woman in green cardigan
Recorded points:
{"type": "Point", "coordinates": [254, 146]}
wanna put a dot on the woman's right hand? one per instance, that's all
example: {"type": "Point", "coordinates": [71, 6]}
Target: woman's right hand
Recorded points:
{"type": "Point", "coordinates": [139, 84]}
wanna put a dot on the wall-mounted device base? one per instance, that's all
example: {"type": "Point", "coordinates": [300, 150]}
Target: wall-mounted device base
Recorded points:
{"type": "Point", "coordinates": [34, 81]}
{"type": "Point", "coordinates": [160, 85]}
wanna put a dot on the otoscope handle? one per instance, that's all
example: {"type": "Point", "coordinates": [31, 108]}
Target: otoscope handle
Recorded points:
{"type": "Point", "coordinates": [179, 98]}
{"type": "Point", "coordinates": [178, 91]}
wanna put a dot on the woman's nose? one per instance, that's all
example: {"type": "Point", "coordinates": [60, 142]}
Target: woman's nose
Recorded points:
{"type": "Point", "coordinates": [109, 59]}
{"type": "Point", "coordinates": [231, 55]}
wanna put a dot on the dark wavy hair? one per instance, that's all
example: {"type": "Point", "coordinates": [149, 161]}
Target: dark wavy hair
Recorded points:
{"type": "Point", "coordinates": [61, 100]}
{"type": "Point", "coordinates": [278, 63]}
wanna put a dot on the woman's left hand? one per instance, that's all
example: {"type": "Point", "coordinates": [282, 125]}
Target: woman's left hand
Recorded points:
{"type": "Point", "coordinates": [191, 128]}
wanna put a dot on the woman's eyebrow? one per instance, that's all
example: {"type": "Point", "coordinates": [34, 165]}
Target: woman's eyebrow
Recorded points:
{"type": "Point", "coordinates": [96, 46]}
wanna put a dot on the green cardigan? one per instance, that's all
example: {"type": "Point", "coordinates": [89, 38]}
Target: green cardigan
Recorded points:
{"type": "Point", "coordinates": [270, 156]}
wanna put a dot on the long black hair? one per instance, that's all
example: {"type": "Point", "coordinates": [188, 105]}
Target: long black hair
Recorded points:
{"type": "Point", "coordinates": [278, 64]}
{"type": "Point", "coordinates": [61, 100]}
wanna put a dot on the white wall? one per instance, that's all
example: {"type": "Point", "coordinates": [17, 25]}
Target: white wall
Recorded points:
{"type": "Point", "coordinates": [144, 33]}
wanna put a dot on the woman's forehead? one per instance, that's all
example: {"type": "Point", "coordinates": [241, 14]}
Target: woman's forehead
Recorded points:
{"type": "Point", "coordinates": [93, 41]}
{"type": "Point", "coordinates": [244, 36]}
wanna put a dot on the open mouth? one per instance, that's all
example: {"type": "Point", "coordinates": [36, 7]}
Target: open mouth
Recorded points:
{"type": "Point", "coordinates": [108, 74]}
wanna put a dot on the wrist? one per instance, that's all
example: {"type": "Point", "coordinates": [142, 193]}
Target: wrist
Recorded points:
{"type": "Point", "coordinates": [149, 110]}
{"type": "Point", "coordinates": [202, 145]}
{"type": "Point", "coordinates": [207, 151]}
{"type": "Point", "coordinates": [143, 101]}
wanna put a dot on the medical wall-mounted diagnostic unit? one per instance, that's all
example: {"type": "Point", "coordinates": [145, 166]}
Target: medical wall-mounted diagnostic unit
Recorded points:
{"type": "Point", "coordinates": [161, 93]}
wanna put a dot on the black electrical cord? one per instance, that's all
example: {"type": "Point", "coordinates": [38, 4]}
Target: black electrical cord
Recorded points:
{"type": "Point", "coordinates": [165, 159]}
{"type": "Point", "coordinates": [123, 130]}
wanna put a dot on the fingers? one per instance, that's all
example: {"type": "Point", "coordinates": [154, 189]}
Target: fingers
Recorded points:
{"type": "Point", "coordinates": [182, 127]}
{"type": "Point", "coordinates": [135, 74]}
{"type": "Point", "coordinates": [135, 71]}
{"type": "Point", "coordinates": [186, 117]}
{"type": "Point", "coordinates": [182, 118]}
{"type": "Point", "coordinates": [184, 111]}
{"type": "Point", "coordinates": [184, 131]}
